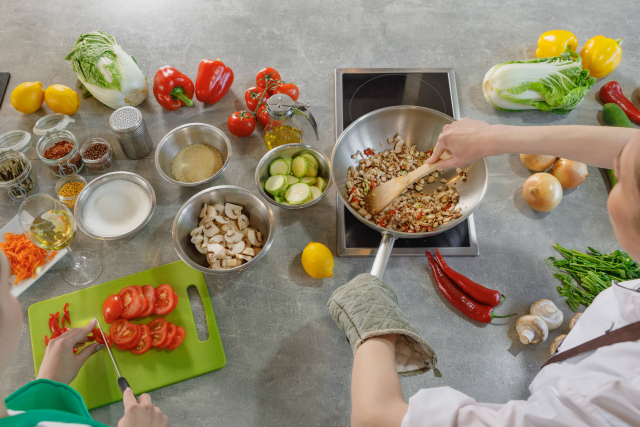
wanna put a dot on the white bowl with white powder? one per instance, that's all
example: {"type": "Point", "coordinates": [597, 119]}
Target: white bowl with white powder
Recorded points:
{"type": "Point", "coordinates": [115, 206]}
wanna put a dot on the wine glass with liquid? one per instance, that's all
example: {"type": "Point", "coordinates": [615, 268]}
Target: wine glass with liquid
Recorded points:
{"type": "Point", "coordinates": [51, 226]}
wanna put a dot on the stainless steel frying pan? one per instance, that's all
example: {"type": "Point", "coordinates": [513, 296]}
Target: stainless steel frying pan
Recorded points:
{"type": "Point", "coordinates": [418, 126]}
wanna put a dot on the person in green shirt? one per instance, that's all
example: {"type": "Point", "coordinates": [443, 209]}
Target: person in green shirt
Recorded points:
{"type": "Point", "coordinates": [49, 401]}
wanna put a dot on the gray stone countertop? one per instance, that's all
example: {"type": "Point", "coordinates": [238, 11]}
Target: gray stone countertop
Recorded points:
{"type": "Point", "coordinates": [287, 362]}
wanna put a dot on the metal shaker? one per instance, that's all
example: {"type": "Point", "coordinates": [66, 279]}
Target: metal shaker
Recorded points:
{"type": "Point", "coordinates": [132, 134]}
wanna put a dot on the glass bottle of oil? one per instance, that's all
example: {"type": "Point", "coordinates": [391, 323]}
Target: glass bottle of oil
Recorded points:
{"type": "Point", "coordinates": [283, 128]}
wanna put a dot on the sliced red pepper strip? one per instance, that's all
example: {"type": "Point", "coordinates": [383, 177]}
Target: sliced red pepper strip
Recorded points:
{"type": "Point", "coordinates": [46, 340]}
{"type": "Point", "coordinates": [474, 290]}
{"type": "Point", "coordinates": [66, 314]}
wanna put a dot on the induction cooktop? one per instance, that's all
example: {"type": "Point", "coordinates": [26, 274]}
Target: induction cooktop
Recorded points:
{"type": "Point", "coordinates": [360, 91]}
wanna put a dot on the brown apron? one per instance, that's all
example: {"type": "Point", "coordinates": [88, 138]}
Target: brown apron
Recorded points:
{"type": "Point", "coordinates": [627, 333]}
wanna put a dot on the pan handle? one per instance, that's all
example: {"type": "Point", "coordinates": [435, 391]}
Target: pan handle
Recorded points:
{"type": "Point", "coordinates": [383, 255]}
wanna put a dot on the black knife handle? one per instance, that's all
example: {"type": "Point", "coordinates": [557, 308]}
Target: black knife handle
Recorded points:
{"type": "Point", "coordinates": [122, 382]}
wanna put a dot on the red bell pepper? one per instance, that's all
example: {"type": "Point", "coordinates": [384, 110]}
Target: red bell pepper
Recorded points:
{"type": "Point", "coordinates": [612, 93]}
{"type": "Point", "coordinates": [213, 81]}
{"type": "Point", "coordinates": [172, 89]}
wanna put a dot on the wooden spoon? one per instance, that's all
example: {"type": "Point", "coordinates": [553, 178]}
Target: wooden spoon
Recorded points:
{"type": "Point", "coordinates": [380, 197]}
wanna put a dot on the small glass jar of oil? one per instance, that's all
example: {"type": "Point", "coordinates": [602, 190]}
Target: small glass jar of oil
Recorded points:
{"type": "Point", "coordinates": [283, 128]}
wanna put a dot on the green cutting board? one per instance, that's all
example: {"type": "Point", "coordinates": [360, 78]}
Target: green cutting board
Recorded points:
{"type": "Point", "coordinates": [97, 380]}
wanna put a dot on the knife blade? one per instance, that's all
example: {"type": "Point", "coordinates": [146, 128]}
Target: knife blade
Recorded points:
{"type": "Point", "coordinates": [122, 382]}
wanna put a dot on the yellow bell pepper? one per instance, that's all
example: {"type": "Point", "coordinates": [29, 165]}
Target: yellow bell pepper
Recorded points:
{"type": "Point", "coordinates": [554, 43]}
{"type": "Point", "coordinates": [601, 56]}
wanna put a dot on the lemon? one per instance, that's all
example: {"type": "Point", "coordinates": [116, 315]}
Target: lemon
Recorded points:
{"type": "Point", "coordinates": [317, 261]}
{"type": "Point", "coordinates": [62, 99]}
{"type": "Point", "coordinates": [27, 97]}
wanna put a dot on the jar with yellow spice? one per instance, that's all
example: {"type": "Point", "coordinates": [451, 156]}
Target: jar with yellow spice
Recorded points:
{"type": "Point", "coordinates": [68, 188]}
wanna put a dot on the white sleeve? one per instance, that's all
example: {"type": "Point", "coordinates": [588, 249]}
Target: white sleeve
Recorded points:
{"type": "Point", "coordinates": [444, 406]}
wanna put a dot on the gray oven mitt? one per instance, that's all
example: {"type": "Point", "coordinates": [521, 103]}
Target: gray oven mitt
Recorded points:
{"type": "Point", "coordinates": [366, 307]}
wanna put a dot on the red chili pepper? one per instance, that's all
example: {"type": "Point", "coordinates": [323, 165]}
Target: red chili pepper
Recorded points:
{"type": "Point", "coordinates": [419, 215]}
{"type": "Point", "coordinates": [213, 81]}
{"type": "Point", "coordinates": [467, 305]}
{"type": "Point", "coordinates": [373, 185]}
{"type": "Point", "coordinates": [172, 89]}
{"type": "Point", "coordinates": [475, 290]}
{"type": "Point", "coordinates": [353, 190]}
{"type": "Point", "coordinates": [369, 152]}
{"type": "Point", "coordinates": [431, 229]}
{"type": "Point", "coordinates": [447, 207]}
{"type": "Point", "coordinates": [406, 228]}
{"type": "Point", "coordinates": [611, 92]}
{"type": "Point", "coordinates": [392, 212]}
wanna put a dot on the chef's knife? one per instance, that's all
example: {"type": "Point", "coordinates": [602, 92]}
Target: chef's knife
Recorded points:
{"type": "Point", "coordinates": [122, 382]}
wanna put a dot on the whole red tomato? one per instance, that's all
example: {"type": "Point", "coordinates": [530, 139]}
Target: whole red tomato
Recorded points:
{"type": "Point", "coordinates": [268, 75]}
{"type": "Point", "coordinates": [252, 97]}
{"type": "Point", "coordinates": [241, 123]}
{"type": "Point", "coordinates": [288, 89]}
{"type": "Point", "coordinates": [263, 116]}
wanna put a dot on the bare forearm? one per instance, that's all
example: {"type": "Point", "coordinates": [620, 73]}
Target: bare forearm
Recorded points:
{"type": "Point", "coordinates": [593, 145]}
{"type": "Point", "coordinates": [376, 394]}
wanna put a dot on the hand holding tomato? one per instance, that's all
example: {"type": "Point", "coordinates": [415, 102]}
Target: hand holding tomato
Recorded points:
{"type": "Point", "coordinates": [60, 363]}
{"type": "Point", "coordinates": [141, 412]}
{"type": "Point", "coordinates": [241, 123]}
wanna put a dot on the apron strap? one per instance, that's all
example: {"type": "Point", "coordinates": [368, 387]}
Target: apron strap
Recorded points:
{"type": "Point", "coordinates": [627, 333]}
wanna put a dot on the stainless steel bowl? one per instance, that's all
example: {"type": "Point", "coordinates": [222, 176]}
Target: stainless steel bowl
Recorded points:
{"type": "Point", "coordinates": [187, 218]}
{"type": "Point", "coordinates": [182, 136]}
{"type": "Point", "coordinates": [291, 151]}
{"type": "Point", "coordinates": [91, 187]}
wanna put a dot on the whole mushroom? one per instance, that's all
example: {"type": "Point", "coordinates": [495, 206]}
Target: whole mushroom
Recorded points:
{"type": "Point", "coordinates": [556, 343]}
{"type": "Point", "coordinates": [548, 311]}
{"type": "Point", "coordinates": [574, 320]}
{"type": "Point", "coordinates": [532, 329]}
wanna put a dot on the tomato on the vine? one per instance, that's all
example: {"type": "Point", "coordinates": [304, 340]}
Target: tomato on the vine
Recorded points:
{"type": "Point", "coordinates": [254, 95]}
{"type": "Point", "coordinates": [289, 89]}
{"type": "Point", "coordinates": [241, 123]}
{"type": "Point", "coordinates": [263, 116]}
{"type": "Point", "coordinates": [268, 75]}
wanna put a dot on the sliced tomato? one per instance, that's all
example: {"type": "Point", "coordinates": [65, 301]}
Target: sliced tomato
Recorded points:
{"type": "Point", "coordinates": [131, 305]}
{"type": "Point", "coordinates": [134, 342]}
{"type": "Point", "coordinates": [124, 333]}
{"type": "Point", "coordinates": [144, 343]}
{"type": "Point", "coordinates": [175, 303]}
{"type": "Point", "coordinates": [144, 303]}
{"type": "Point", "coordinates": [171, 333]}
{"type": "Point", "coordinates": [150, 295]}
{"type": "Point", "coordinates": [158, 331]}
{"type": "Point", "coordinates": [98, 337]}
{"type": "Point", "coordinates": [177, 340]}
{"type": "Point", "coordinates": [165, 299]}
{"type": "Point", "coordinates": [112, 308]}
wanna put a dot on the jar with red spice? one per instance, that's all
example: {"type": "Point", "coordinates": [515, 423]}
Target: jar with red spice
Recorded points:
{"type": "Point", "coordinates": [59, 151]}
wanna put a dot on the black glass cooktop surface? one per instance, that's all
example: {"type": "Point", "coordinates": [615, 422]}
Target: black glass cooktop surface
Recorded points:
{"type": "Point", "coordinates": [360, 91]}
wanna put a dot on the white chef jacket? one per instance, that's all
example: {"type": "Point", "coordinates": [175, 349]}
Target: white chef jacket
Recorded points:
{"type": "Point", "coordinates": [597, 388]}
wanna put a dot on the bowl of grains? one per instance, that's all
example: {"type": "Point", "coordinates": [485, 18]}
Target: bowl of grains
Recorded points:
{"type": "Point", "coordinates": [116, 205]}
{"type": "Point", "coordinates": [193, 155]}
{"type": "Point", "coordinates": [97, 155]}
{"type": "Point", "coordinates": [59, 152]}
{"type": "Point", "coordinates": [69, 187]}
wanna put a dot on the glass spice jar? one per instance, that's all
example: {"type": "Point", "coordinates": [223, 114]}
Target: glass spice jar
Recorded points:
{"type": "Point", "coordinates": [97, 155]}
{"type": "Point", "coordinates": [15, 140]}
{"type": "Point", "coordinates": [69, 163]}
{"type": "Point", "coordinates": [16, 175]}
{"type": "Point", "coordinates": [70, 194]}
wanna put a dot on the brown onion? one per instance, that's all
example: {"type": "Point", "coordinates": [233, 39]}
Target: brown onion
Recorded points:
{"type": "Point", "coordinates": [542, 191]}
{"type": "Point", "coordinates": [570, 173]}
{"type": "Point", "coordinates": [537, 163]}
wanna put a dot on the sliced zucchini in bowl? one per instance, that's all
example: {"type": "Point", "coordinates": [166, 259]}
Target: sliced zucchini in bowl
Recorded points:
{"type": "Point", "coordinates": [276, 184]}
{"type": "Point", "coordinates": [321, 183]}
{"type": "Point", "coordinates": [299, 167]}
{"type": "Point", "coordinates": [298, 194]}
{"type": "Point", "coordinates": [315, 192]}
{"type": "Point", "coordinates": [279, 167]}
{"type": "Point", "coordinates": [311, 158]}
{"type": "Point", "coordinates": [309, 180]}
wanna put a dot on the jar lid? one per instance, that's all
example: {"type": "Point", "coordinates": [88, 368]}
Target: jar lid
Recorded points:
{"type": "Point", "coordinates": [125, 119]}
{"type": "Point", "coordinates": [52, 123]}
{"type": "Point", "coordinates": [15, 140]}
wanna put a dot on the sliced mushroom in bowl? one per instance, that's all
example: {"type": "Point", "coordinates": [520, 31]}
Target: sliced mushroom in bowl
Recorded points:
{"type": "Point", "coordinates": [222, 230]}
